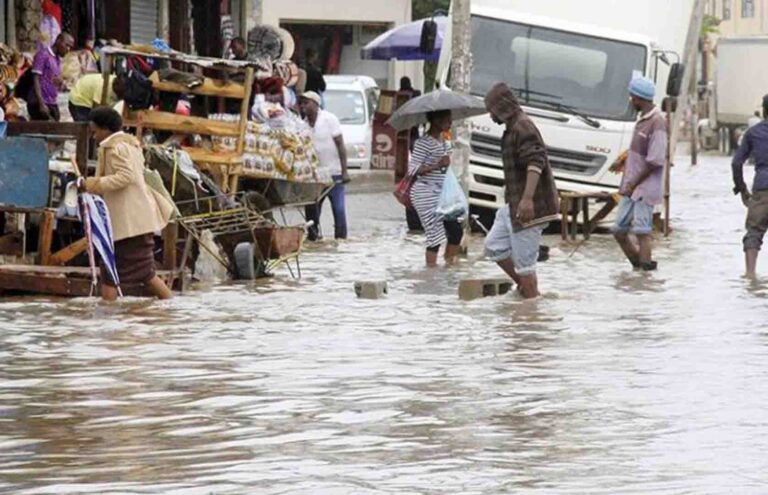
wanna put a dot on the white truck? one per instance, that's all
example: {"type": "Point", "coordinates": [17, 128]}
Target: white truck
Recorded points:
{"type": "Point", "coordinates": [570, 62]}
{"type": "Point", "coordinates": [741, 81]}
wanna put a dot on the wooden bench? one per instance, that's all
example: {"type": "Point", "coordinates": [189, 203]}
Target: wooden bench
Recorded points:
{"type": "Point", "coordinates": [573, 204]}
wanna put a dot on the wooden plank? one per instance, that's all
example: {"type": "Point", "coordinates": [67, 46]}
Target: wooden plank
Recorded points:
{"type": "Point", "coordinates": [184, 257]}
{"type": "Point", "coordinates": [56, 285]}
{"type": "Point", "coordinates": [565, 207]}
{"type": "Point", "coordinates": [200, 155]}
{"type": "Point", "coordinates": [48, 270]}
{"type": "Point", "coordinates": [245, 110]}
{"type": "Point", "coordinates": [600, 215]}
{"type": "Point", "coordinates": [574, 219]}
{"type": "Point", "coordinates": [58, 281]}
{"type": "Point", "coordinates": [210, 87]}
{"type": "Point", "coordinates": [67, 254]}
{"type": "Point", "coordinates": [170, 239]}
{"type": "Point", "coordinates": [45, 238]}
{"type": "Point", "coordinates": [106, 70]}
{"type": "Point", "coordinates": [585, 216]}
{"type": "Point", "coordinates": [12, 244]}
{"type": "Point", "coordinates": [166, 121]}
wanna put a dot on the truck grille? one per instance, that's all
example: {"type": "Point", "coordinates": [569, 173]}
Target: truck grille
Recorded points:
{"type": "Point", "coordinates": [573, 162]}
{"type": "Point", "coordinates": [486, 145]}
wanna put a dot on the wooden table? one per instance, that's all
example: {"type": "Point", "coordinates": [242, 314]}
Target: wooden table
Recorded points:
{"type": "Point", "coordinates": [573, 204]}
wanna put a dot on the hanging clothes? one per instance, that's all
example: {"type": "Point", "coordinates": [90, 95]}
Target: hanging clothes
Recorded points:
{"type": "Point", "coordinates": [50, 24]}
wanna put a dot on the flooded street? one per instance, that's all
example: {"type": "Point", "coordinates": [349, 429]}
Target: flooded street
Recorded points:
{"type": "Point", "coordinates": [612, 382]}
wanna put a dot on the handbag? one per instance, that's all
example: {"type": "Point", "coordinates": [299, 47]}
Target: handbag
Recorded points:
{"type": "Point", "coordinates": [403, 190]}
{"type": "Point", "coordinates": [138, 88]}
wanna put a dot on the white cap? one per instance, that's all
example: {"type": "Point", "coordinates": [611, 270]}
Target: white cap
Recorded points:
{"type": "Point", "coordinates": [311, 95]}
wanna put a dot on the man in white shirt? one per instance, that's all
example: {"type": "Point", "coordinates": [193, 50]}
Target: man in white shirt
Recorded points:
{"type": "Point", "coordinates": [329, 145]}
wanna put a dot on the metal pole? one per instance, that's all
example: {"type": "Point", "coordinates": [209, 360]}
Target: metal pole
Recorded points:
{"type": "Point", "coordinates": [461, 68]}
{"type": "Point", "coordinates": [689, 58]}
{"type": "Point", "coordinates": [667, 173]}
{"type": "Point", "coordinates": [693, 98]}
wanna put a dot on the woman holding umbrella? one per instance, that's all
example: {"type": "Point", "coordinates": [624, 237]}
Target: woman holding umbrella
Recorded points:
{"type": "Point", "coordinates": [430, 159]}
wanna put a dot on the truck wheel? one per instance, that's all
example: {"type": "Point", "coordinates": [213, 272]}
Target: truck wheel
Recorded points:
{"type": "Point", "coordinates": [247, 265]}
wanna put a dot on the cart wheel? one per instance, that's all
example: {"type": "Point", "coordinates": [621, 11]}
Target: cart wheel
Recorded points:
{"type": "Point", "coordinates": [257, 201]}
{"type": "Point", "coordinates": [247, 266]}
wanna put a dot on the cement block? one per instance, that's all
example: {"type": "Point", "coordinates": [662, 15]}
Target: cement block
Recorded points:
{"type": "Point", "coordinates": [486, 287]}
{"type": "Point", "coordinates": [371, 289]}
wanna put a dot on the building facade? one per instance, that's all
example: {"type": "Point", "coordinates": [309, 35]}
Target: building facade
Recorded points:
{"type": "Point", "coordinates": [336, 29]}
{"type": "Point", "coordinates": [740, 17]}
{"type": "Point", "coordinates": [339, 29]}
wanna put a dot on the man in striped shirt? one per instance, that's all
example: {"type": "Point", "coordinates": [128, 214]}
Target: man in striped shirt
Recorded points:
{"type": "Point", "coordinates": [641, 185]}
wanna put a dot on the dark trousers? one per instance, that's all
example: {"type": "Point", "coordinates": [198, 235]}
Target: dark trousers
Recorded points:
{"type": "Point", "coordinates": [338, 204]}
{"type": "Point", "coordinates": [35, 114]}
{"type": "Point", "coordinates": [414, 223]}
{"type": "Point", "coordinates": [79, 114]}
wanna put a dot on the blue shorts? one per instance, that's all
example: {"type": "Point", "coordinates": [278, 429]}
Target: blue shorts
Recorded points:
{"type": "Point", "coordinates": [522, 246]}
{"type": "Point", "coordinates": [633, 216]}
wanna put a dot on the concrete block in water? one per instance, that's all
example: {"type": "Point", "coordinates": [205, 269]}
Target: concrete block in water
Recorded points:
{"type": "Point", "coordinates": [486, 287]}
{"type": "Point", "coordinates": [371, 290]}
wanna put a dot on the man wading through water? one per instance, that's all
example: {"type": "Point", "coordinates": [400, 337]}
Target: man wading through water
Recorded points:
{"type": "Point", "coordinates": [530, 193]}
{"type": "Point", "coordinates": [641, 185]}
{"type": "Point", "coordinates": [755, 144]}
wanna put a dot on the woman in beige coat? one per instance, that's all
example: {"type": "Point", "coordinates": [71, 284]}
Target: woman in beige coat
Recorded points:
{"type": "Point", "coordinates": [134, 210]}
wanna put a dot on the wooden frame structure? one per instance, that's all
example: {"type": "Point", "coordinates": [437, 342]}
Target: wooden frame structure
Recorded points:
{"type": "Point", "coordinates": [228, 166]}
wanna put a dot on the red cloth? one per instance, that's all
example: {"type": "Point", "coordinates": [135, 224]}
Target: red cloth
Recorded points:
{"type": "Point", "coordinates": [52, 9]}
{"type": "Point", "coordinates": [269, 86]}
{"type": "Point", "coordinates": [334, 55]}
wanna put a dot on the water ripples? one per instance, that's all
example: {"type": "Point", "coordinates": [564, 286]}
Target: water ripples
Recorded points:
{"type": "Point", "coordinates": [613, 382]}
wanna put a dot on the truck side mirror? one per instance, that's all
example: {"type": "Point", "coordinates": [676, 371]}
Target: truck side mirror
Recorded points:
{"type": "Point", "coordinates": [675, 81]}
{"type": "Point", "coordinates": [428, 36]}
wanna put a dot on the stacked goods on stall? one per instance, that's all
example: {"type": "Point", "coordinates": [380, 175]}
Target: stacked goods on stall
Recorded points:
{"type": "Point", "coordinates": [277, 145]}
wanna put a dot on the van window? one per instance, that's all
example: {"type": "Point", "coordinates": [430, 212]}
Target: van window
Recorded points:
{"type": "Point", "coordinates": [348, 106]}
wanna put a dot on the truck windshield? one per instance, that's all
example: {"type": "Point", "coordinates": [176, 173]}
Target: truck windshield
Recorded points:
{"type": "Point", "coordinates": [348, 106]}
{"type": "Point", "coordinates": [585, 73]}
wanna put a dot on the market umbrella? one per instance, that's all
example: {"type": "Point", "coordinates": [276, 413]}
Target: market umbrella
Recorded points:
{"type": "Point", "coordinates": [414, 112]}
{"type": "Point", "coordinates": [402, 43]}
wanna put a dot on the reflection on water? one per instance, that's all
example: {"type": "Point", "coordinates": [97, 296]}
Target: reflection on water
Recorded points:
{"type": "Point", "coordinates": [612, 382]}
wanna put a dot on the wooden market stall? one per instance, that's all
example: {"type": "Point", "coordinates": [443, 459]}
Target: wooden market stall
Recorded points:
{"type": "Point", "coordinates": [226, 166]}
{"type": "Point", "coordinates": [42, 250]}
{"type": "Point", "coordinates": [216, 144]}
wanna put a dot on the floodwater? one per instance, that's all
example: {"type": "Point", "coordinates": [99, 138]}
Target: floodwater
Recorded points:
{"type": "Point", "coordinates": [612, 382]}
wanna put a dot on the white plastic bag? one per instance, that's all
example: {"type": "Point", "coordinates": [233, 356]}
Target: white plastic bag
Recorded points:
{"type": "Point", "coordinates": [453, 203]}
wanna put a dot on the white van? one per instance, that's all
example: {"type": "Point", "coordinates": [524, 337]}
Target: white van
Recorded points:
{"type": "Point", "coordinates": [353, 100]}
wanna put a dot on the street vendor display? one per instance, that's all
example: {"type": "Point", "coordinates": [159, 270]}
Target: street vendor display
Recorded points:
{"type": "Point", "coordinates": [278, 145]}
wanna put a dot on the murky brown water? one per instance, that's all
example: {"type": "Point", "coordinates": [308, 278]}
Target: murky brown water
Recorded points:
{"type": "Point", "coordinates": [613, 382]}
